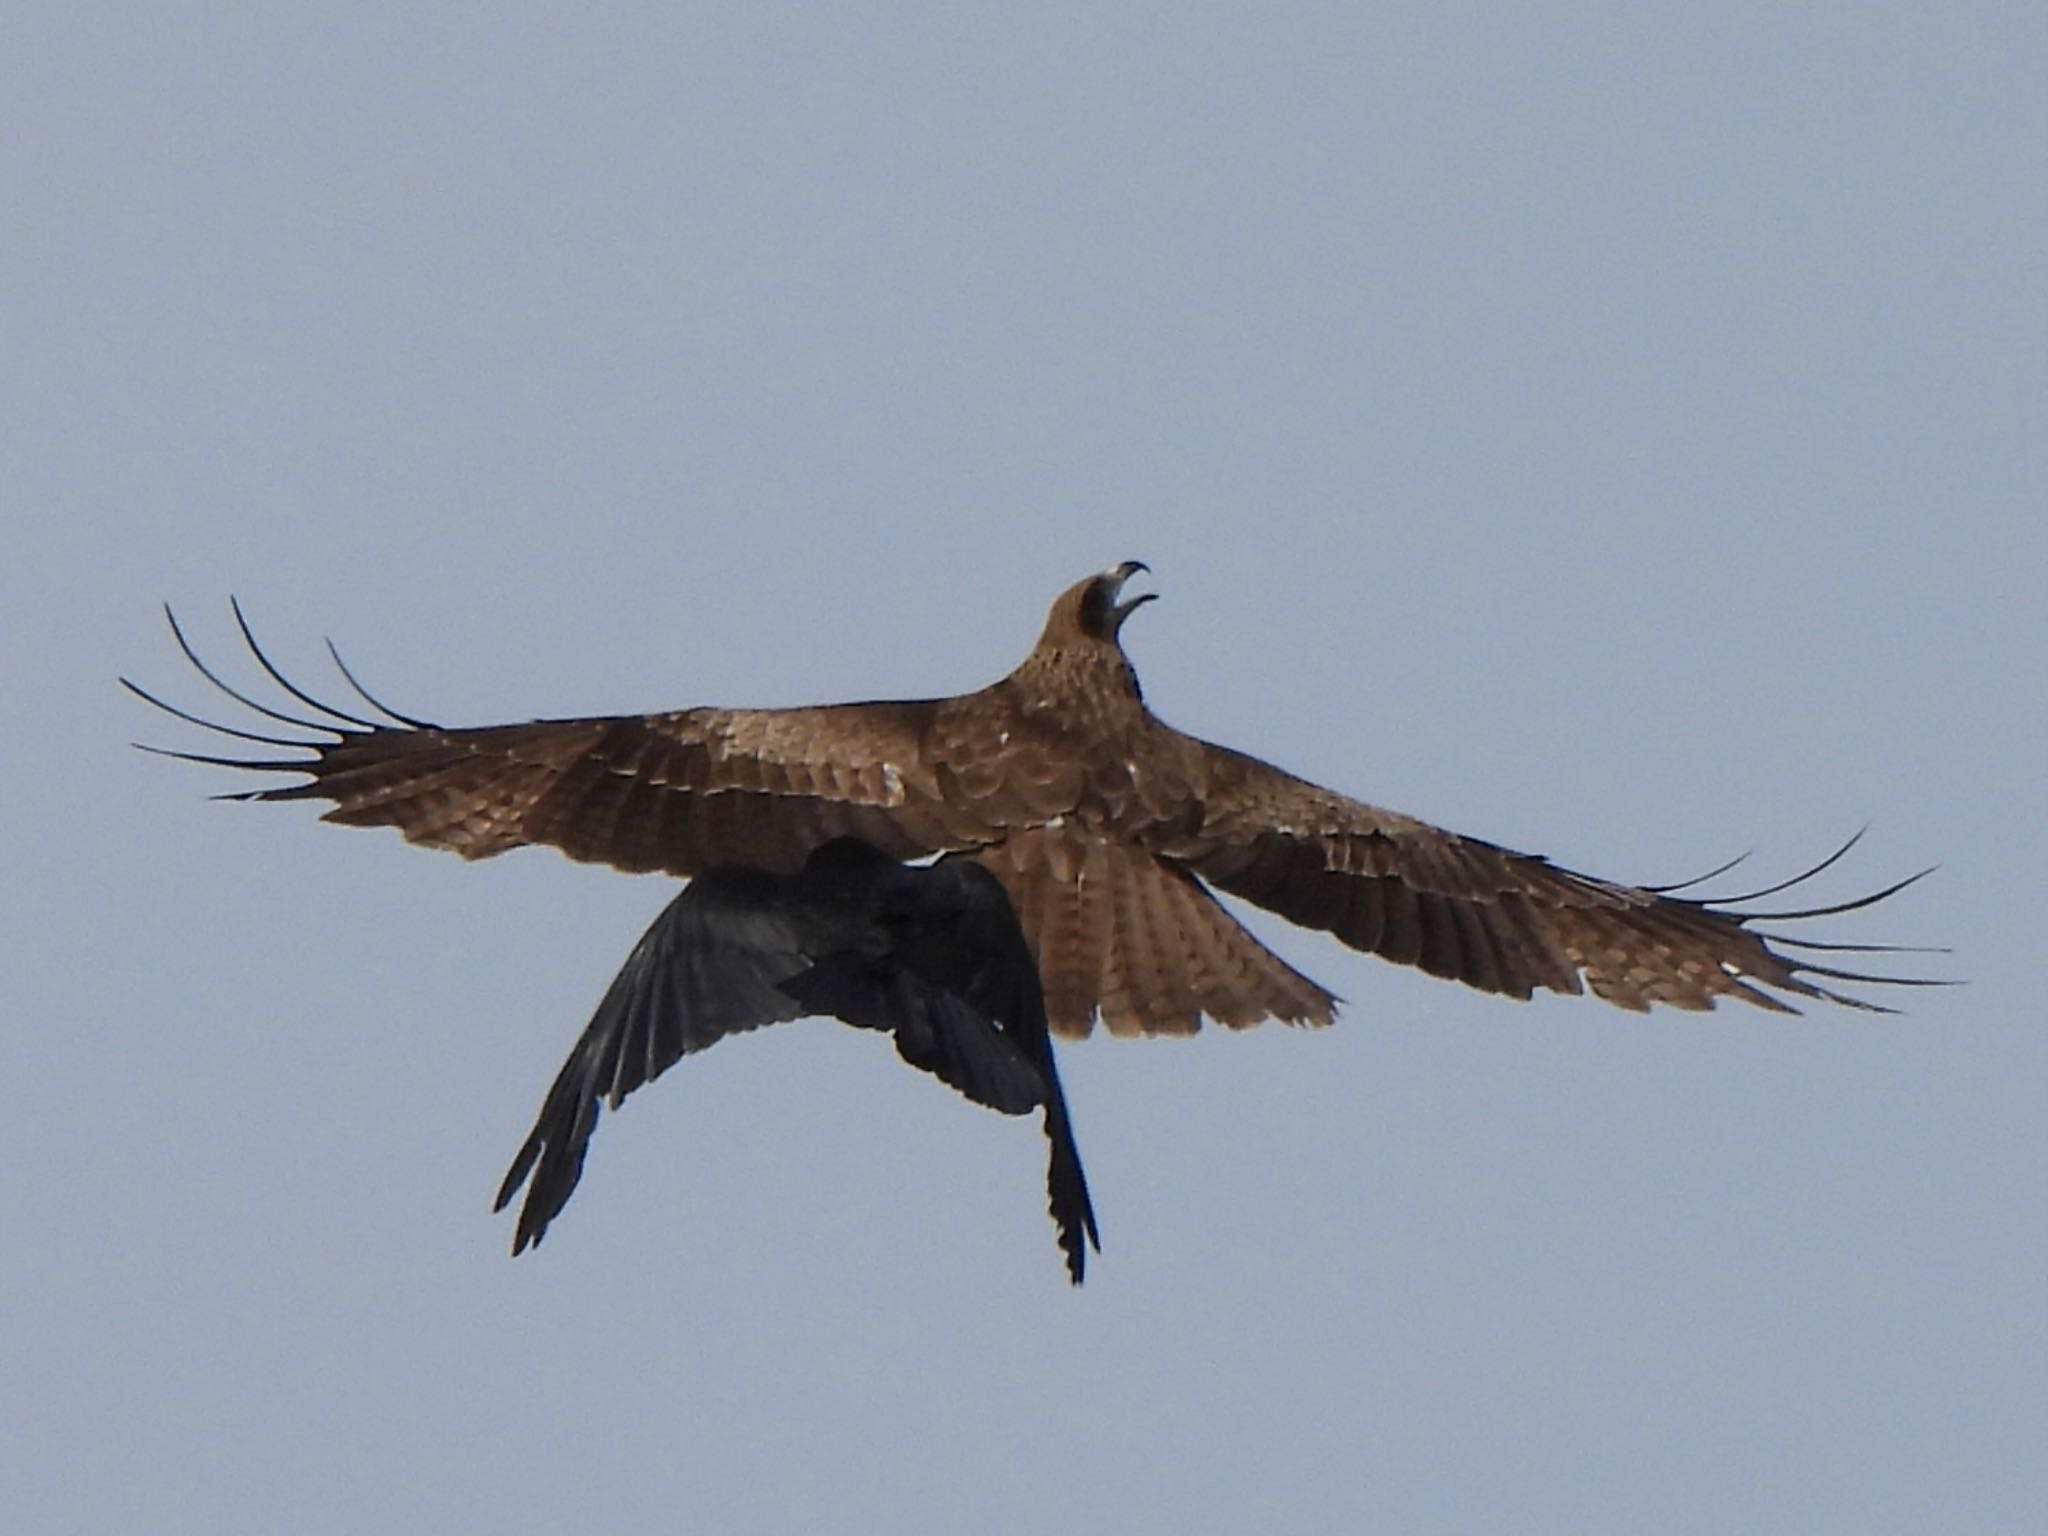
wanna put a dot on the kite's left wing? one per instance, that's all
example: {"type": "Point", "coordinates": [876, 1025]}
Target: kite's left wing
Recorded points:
{"type": "Point", "coordinates": [1495, 919]}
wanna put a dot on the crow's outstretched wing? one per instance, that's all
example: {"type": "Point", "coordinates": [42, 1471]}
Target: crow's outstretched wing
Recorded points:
{"type": "Point", "coordinates": [968, 940]}
{"type": "Point", "coordinates": [712, 964]}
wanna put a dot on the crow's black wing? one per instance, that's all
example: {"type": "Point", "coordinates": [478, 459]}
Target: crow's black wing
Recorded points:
{"type": "Point", "coordinates": [941, 961]}
{"type": "Point", "coordinates": [877, 925]}
{"type": "Point", "coordinates": [969, 941]}
{"type": "Point", "coordinates": [709, 966]}
{"type": "Point", "coordinates": [935, 1031]}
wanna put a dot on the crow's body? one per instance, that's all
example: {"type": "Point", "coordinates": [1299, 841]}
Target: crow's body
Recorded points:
{"type": "Point", "coordinates": [932, 955]}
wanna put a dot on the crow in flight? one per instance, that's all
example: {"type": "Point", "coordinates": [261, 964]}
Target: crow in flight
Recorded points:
{"type": "Point", "coordinates": [931, 954]}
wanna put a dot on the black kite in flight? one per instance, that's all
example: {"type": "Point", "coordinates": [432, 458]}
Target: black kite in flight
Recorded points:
{"type": "Point", "coordinates": [1104, 825]}
{"type": "Point", "coordinates": [1103, 822]}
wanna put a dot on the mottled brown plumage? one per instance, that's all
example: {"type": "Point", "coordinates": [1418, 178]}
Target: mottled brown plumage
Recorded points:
{"type": "Point", "coordinates": [1101, 821]}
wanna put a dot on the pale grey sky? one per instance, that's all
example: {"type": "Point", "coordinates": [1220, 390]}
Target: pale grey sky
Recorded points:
{"type": "Point", "coordinates": [1615, 431]}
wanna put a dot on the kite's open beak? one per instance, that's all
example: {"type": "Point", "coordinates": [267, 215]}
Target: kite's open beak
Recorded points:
{"type": "Point", "coordinates": [1116, 576]}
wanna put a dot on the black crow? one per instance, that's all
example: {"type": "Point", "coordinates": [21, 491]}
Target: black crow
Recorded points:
{"type": "Point", "coordinates": [933, 954]}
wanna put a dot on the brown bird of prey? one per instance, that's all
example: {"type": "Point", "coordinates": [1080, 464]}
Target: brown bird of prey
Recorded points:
{"type": "Point", "coordinates": [1106, 826]}
{"type": "Point", "coordinates": [932, 954]}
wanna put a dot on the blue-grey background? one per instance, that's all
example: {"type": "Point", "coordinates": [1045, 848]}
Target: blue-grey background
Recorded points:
{"type": "Point", "coordinates": [1617, 431]}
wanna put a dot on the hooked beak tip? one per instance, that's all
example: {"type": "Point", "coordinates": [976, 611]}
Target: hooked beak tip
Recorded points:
{"type": "Point", "coordinates": [1119, 611]}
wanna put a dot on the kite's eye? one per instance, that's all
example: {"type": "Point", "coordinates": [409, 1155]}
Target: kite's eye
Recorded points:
{"type": "Point", "coordinates": [1096, 605]}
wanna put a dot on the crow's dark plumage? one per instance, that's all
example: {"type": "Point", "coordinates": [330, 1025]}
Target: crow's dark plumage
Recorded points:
{"type": "Point", "coordinates": [933, 955]}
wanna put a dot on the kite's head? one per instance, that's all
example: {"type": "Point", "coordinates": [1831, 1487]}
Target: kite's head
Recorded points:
{"type": "Point", "coordinates": [1080, 638]}
{"type": "Point", "coordinates": [1100, 604]}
